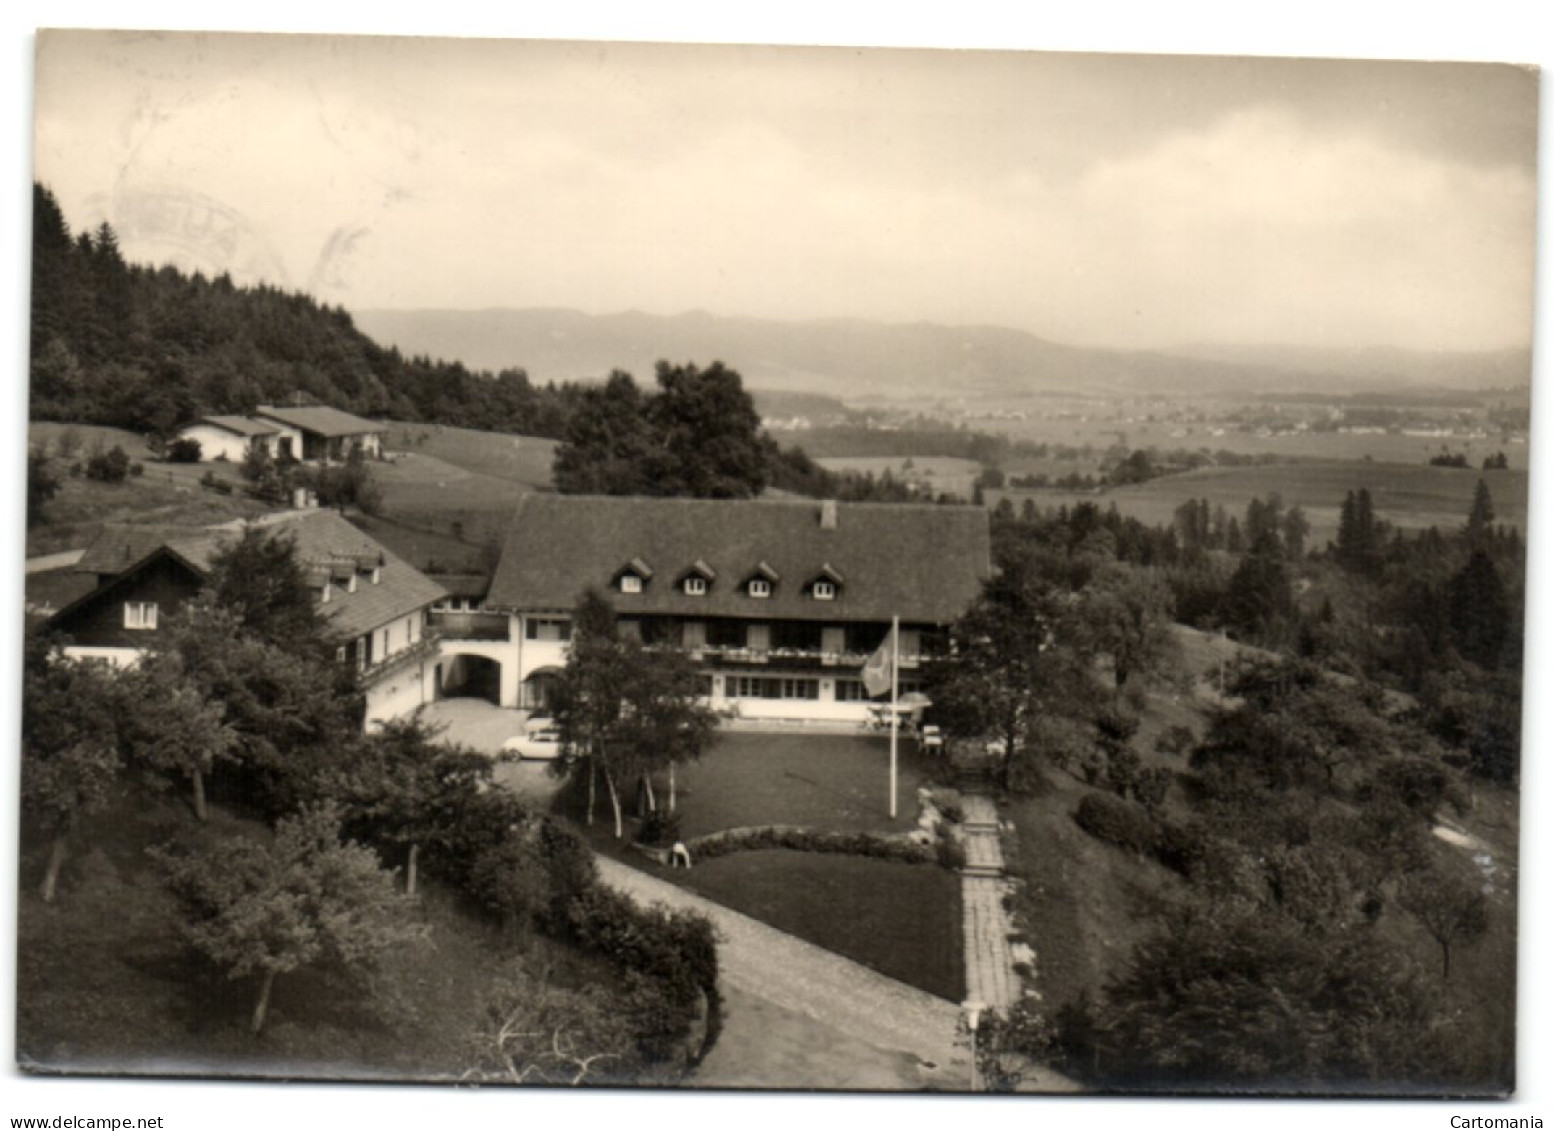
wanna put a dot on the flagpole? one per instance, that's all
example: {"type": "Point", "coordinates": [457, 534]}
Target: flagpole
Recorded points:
{"type": "Point", "coordinates": [895, 718]}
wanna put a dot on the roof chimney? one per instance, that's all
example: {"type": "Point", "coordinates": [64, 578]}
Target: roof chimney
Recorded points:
{"type": "Point", "coordinates": [828, 514]}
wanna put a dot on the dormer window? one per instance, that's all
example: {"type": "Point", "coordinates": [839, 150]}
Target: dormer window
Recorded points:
{"type": "Point", "coordinates": [698, 579]}
{"type": "Point", "coordinates": [633, 576]}
{"type": "Point", "coordinates": [826, 585]}
{"type": "Point", "coordinates": [761, 581]}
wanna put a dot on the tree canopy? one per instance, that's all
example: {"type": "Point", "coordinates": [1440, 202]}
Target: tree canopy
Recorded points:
{"type": "Point", "coordinates": [699, 435]}
{"type": "Point", "coordinates": [303, 898]}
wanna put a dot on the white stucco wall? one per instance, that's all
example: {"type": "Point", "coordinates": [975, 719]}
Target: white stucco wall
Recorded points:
{"type": "Point", "coordinates": [215, 442]}
{"type": "Point", "coordinates": [396, 695]}
{"type": "Point", "coordinates": [118, 657]}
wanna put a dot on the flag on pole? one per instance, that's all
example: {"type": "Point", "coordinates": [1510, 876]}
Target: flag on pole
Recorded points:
{"type": "Point", "coordinates": [880, 668]}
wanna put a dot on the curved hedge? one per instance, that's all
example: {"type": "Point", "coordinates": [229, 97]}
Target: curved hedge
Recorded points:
{"type": "Point", "coordinates": [801, 839]}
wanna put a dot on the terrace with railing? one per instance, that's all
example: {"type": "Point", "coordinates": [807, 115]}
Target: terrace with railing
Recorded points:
{"type": "Point", "coordinates": [471, 625]}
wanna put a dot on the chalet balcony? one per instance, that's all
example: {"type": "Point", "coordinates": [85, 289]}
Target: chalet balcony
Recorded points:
{"type": "Point", "coordinates": [790, 659]}
{"type": "Point", "coordinates": [423, 648]}
{"type": "Point", "coordinates": [470, 626]}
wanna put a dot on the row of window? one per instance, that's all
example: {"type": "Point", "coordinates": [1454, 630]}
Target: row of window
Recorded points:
{"type": "Point", "coordinates": [785, 687]}
{"type": "Point", "coordinates": [695, 585]}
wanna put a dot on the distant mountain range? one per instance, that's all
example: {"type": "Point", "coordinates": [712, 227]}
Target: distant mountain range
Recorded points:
{"type": "Point", "coordinates": [851, 358]}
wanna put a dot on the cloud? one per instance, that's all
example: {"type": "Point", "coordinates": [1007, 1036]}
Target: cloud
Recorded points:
{"type": "Point", "coordinates": [606, 178]}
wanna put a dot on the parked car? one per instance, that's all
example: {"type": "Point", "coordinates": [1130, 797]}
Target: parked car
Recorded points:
{"type": "Point", "coordinates": [540, 745]}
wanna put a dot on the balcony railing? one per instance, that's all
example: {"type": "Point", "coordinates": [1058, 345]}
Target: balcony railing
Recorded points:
{"type": "Point", "coordinates": [784, 657]}
{"type": "Point", "coordinates": [420, 650]}
{"type": "Point", "coordinates": [471, 625]}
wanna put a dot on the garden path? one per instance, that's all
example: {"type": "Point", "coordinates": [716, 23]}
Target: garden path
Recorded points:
{"type": "Point", "coordinates": [798, 1016]}
{"type": "Point", "coordinates": [991, 979]}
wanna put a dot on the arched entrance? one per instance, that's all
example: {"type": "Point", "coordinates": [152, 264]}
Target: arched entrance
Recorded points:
{"type": "Point", "coordinates": [465, 675]}
{"type": "Point", "coordinates": [538, 689]}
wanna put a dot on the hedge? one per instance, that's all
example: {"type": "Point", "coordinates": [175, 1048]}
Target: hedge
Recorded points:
{"type": "Point", "coordinates": [800, 839]}
{"type": "Point", "coordinates": [1117, 821]}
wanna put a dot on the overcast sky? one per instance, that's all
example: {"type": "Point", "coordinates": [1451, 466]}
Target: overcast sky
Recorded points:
{"type": "Point", "coordinates": [1118, 200]}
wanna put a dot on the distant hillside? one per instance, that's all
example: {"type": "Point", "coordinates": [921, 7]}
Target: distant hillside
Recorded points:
{"type": "Point", "coordinates": [857, 358]}
{"type": "Point", "coordinates": [1382, 367]}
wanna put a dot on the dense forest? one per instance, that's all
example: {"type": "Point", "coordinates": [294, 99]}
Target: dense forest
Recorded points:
{"type": "Point", "coordinates": [149, 349]}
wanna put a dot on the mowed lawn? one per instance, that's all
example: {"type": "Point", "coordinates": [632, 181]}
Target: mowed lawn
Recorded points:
{"type": "Point", "coordinates": [827, 781]}
{"type": "Point", "coordinates": [524, 460]}
{"type": "Point", "coordinates": [903, 920]}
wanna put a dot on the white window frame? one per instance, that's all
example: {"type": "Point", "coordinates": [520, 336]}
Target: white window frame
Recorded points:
{"type": "Point", "coordinates": [824, 590]}
{"type": "Point", "coordinates": [696, 586]}
{"type": "Point", "coordinates": [760, 588]}
{"type": "Point", "coordinates": [631, 583]}
{"type": "Point", "coordinates": [140, 615]}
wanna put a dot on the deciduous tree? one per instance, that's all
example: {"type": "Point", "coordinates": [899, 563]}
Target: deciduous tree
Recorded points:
{"type": "Point", "coordinates": [70, 756]}
{"type": "Point", "coordinates": [263, 908]}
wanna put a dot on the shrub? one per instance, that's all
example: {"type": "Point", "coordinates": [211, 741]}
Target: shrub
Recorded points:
{"type": "Point", "coordinates": [950, 853]}
{"type": "Point", "coordinates": [676, 947]}
{"type": "Point", "coordinates": [1150, 787]}
{"type": "Point", "coordinates": [809, 840]}
{"type": "Point", "coordinates": [184, 450]}
{"type": "Point", "coordinates": [1176, 741]}
{"type": "Point", "coordinates": [569, 869]}
{"type": "Point", "coordinates": [659, 828]}
{"type": "Point", "coordinates": [1116, 821]}
{"type": "Point", "coordinates": [509, 880]}
{"type": "Point", "coordinates": [137, 469]}
{"type": "Point", "coordinates": [1179, 847]}
{"type": "Point", "coordinates": [111, 466]}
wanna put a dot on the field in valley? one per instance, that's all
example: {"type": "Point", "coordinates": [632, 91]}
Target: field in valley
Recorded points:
{"type": "Point", "coordinates": [1409, 496]}
{"type": "Point", "coordinates": [938, 474]}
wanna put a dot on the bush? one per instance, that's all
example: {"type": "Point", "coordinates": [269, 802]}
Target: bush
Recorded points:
{"type": "Point", "coordinates": [1179, 847]}
{"type": "Point", "coordinates": [660, 828]}
{"type": "Point", "coordinates": [1116, 821]}
{"type": "Point", "coordinates": [676, 947]}
{"type": "Point", "coordinates": [799, 839]}
{"type": "Point", "coordinates": [184, 450]}
{"type": "Point", "coordinates": [112, 466]}
{"type": "Point", "coordinates": [950, 853]}
{"type": "Point", "coordinates": [509, 880]}
{"type": "Point", "coordinates": [1176, 741]}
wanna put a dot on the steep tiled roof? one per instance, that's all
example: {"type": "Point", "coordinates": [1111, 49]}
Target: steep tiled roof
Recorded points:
{"type": "Point", "coordinates": [324, 538]}
{"type": "Point", "coordinates": [326, 545]}
{"type": "Point", "coordinates": [321, 420]}
{"type": "Point", "coordinates": [120, 546]}
{"type": "Point", "coordinates": [241, 425]}
{"type": "Point", "coordinates": [922, 563]}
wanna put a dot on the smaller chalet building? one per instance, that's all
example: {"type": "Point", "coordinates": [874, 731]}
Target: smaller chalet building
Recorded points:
{"type": "Point", "coordinates": [302, 432]}
{"type": "Point", "coordinates": [780, 603]}
{"type": "Point", "coordinates": [374, 602]}
{"type": "Point", "coordinates": [318, 432]}
{"type": "Point", "coordinates": [232, 437]}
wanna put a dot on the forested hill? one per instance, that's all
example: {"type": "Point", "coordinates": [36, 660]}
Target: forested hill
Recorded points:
{"type": "Point", "coordinates": [151, 348]}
